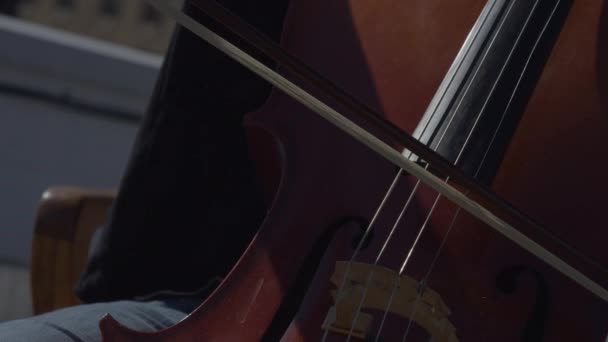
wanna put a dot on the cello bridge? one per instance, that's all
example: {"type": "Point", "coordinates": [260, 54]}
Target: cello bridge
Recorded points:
{"type": "Point", "coordinates": [410, 300]}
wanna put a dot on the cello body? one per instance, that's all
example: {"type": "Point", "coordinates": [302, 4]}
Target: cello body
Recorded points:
{"type": "Point", "coordinates": [393, 55]}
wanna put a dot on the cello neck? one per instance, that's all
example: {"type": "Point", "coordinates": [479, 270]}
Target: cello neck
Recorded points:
{"type": "Point", "coordinates": [484, 94]}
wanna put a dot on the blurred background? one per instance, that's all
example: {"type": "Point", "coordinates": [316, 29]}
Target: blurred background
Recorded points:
{"type": "Point", "coordinates": [75, 78]}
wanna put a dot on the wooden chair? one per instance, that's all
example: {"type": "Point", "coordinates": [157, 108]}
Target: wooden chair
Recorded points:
{"type": "Point", "coordinates": [65, 222]}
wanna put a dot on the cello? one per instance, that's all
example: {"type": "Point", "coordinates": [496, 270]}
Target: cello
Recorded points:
{"type": "Point", "coordinates": [330, 263]}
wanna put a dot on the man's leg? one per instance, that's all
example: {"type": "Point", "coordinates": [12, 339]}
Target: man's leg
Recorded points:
{"type": "Point", "coordinates": [81, 323]}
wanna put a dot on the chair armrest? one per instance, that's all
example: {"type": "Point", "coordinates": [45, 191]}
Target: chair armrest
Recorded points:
{"type": "Point", "coordinates": [65, 222]}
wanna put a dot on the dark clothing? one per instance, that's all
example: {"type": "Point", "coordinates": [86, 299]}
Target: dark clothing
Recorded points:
{"type": "Point", "coordinates": [188, 204]}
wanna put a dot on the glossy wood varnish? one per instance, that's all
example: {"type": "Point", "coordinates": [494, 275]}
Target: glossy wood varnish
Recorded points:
{"type": "Point", "coordinates": [392, 55]}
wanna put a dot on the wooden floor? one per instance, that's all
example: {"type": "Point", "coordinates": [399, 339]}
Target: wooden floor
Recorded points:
{"type": "Point", "coordinates": [15, 300]}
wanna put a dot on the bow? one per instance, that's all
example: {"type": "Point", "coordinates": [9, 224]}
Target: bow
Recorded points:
{"type": "Point", "coordinates": [397, 158]}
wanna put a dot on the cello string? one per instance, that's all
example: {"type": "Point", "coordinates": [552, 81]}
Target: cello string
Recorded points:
{"type": "Point", "coordinates": [371, 223]}
{"type": "Point", "coordinates": [268, 47]}
{"type": "Point", "coordinates": [415, 243]}
{"type": "Point", "coordinates": [365, 234]}
{"type": "Point", "coordinates": [425, 129]}
{"type": "Point", "coordinates": [364, 237]}
{"type": "Point", "coordinates": [424, 281]}
{"type": "Point", "coordinates": [481, 112]}
{"type": "Point", "coordinates": [434, 205]}
{"type": "Point", "coordinates": [377, 259]}
{"type": "Point", "coordinates": [516, 88]}
{"type": "Point", "coordinates": [492, 4]}
{"type": "Point", "coordinates": [393, 229]}
{"type": "Point", "coordinates": [378, 146]}
{"type": "Point", "coordinates": [411, 196]}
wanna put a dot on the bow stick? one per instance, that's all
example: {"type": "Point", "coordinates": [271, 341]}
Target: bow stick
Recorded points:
{"type": "Point", "coordinates": [391, 154]}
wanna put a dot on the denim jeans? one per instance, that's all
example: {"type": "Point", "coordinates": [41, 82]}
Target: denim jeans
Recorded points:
{"type": "Point", "coordinates": [81, 323]}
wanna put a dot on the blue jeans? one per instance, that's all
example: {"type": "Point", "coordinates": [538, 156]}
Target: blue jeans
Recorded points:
{"type": "Point", "coordinates": [81, 323]}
